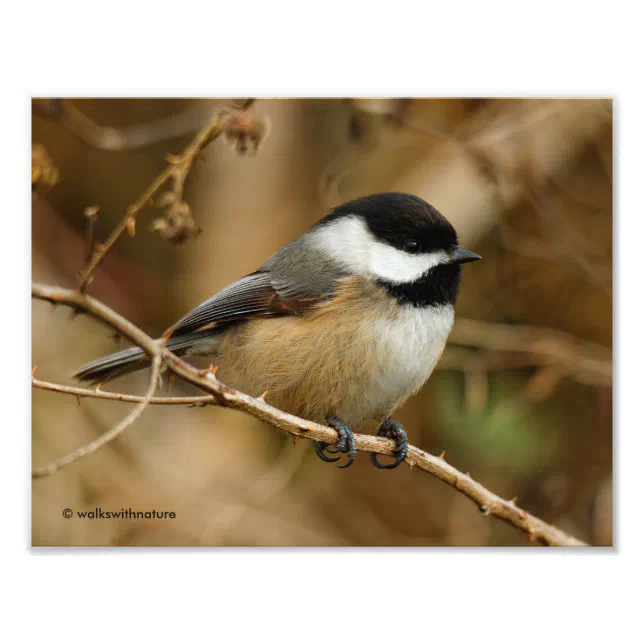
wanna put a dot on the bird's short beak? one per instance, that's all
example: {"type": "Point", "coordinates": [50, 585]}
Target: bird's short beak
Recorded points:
{"type": "Point", "coordinates": [462, 256]}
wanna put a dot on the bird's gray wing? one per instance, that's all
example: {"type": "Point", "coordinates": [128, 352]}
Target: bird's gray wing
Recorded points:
{"type": "Point", "coordinates": [255, 296]}
{"type": "Point", "coordinates": [292, 281]}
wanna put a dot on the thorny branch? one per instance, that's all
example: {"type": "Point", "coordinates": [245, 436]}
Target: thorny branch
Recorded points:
{"type": "Point", "coordinates": [110, 435]}
{"type": "Point", "coordinates": [79, 392]}
{"type": "Point", "coordinates": [178, 224]}
{"type": "Point", "coordinates": [489, 503]}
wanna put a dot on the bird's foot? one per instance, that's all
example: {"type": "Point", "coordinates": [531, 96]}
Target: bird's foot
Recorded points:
{"type": "Point", "coordinates": [345, 444]}
{"type": "Point", "coordinates": [393, 429]}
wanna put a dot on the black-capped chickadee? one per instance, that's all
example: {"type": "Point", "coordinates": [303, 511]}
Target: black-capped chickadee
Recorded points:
{"type": "Point", "coordinates": [343, 324]}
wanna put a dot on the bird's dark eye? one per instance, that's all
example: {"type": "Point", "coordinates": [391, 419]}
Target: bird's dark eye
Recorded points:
{"type": "Point", "coordinates": [411, 246]}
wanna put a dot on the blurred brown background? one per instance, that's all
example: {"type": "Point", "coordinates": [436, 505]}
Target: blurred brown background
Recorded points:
{"type": "Point", "coordinates": [527, 184]}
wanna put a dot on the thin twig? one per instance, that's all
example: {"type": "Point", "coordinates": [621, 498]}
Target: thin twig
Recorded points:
{"type": "Point", "coordinates": [110, 435]}
{"type": "Point", "coordinates": [110, 395]}
{"type": "Point", "coordinates": [127, 223]}
{"type": "Point", "coordinates": [91, 213]}
{"type": "Point", "coordinates": [76, 300]}
{"type": "Point", "coordinates": [177, 171]}
{"type": "Point", "coordinates": [489, 503]}
{"type": "Point", "coordinates": [586, 361]}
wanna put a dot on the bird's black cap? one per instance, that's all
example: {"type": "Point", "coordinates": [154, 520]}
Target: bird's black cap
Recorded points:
{"type": "Point", "coordinates": [397, 217]}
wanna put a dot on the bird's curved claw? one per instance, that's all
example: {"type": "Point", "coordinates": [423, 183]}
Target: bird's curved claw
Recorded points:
{"type": "Point", "coordinates": [345, 445]}
{"type": "Point", "coordinates": [319, 450]}
{"type": "Point", "coordinates": [392, 429]}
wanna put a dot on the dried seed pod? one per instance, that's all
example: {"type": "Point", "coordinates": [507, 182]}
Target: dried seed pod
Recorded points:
{"type": "Point", "coordinates": [246, 131]}
{"type": "Point", "coordinates": [177, 225]}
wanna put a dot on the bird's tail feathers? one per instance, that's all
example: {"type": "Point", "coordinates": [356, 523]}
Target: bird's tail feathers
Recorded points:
{"type": "Point", "coordinates": [130, 360]}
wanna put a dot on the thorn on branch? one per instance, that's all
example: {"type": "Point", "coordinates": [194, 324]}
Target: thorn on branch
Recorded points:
{"type": "Point", "coordinates": [212, 370]}
{"type": "Point", "coordinates": [173, 159]}
{"type": "Point", "coordinates": [74, 313]}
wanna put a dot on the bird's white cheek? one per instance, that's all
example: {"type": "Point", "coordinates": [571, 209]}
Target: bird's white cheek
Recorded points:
{"type": "Point", "coordinates": [396, 266]}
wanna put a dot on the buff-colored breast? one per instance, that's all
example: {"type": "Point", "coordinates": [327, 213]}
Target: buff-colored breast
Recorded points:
{"type": "Point", "coordinates": [360, 356]}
